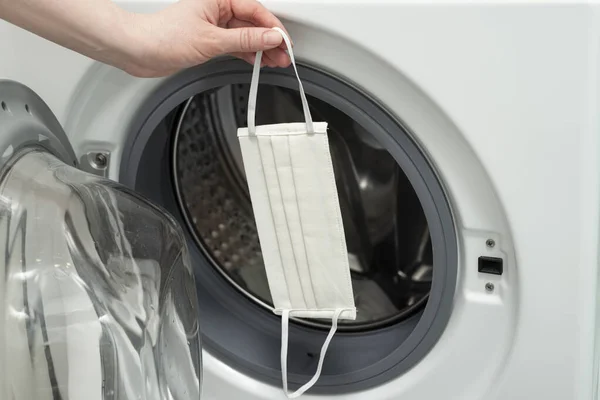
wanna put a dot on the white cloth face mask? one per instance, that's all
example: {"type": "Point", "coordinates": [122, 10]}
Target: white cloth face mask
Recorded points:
{"type": "Point", "coordinates": [294, 197]}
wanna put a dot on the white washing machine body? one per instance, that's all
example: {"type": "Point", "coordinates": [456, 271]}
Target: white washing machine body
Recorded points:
{"type": "Point", "coordinates": [503, 100]}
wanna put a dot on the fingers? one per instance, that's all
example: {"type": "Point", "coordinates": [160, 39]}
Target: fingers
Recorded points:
{"type": "Point", "coordinates": [274, 57]}
{"type": "Point", "coordinates": [248, 30]}
{"type": "Point", "coordinates": [251, 40]}
{"type": "Point", "coordinates": [248, 39]}
{"type": "Point", "coordinates": [266, 59]}
{"type": "Point", "coordinates": [249, 58]}
{"type": "Point", "coordinates": [255, 13]}
{"type": "Point", "coordinates": [279, 58]}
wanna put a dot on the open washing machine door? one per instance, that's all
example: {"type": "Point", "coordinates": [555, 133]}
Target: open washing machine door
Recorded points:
{"type": "Point", "coordinates": [98, 299]}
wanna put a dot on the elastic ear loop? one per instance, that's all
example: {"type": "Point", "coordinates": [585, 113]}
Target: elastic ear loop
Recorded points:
{"type": "Point", "coordinates": [254, 89]}
{"type": "Point", "coordinates": [285, 316]}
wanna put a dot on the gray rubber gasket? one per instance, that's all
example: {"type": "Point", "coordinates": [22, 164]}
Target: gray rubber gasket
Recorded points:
{"type": "Point", "coordinates": [26, 120]}
{"type": "Point", "coordinates": [242, 333]}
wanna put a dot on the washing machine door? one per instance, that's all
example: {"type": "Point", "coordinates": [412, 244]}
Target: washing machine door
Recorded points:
{"type": "Point", "coordinates": [98, 300]}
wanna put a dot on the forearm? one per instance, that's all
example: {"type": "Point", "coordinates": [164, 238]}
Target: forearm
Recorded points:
{"type": "Point", "coordinates": [185, 34]}
{"type": "Point", "coordinates": [95, 28]}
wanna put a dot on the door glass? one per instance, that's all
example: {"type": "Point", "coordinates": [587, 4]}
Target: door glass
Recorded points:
{"type": "Point", "coordinates": [98, 298]}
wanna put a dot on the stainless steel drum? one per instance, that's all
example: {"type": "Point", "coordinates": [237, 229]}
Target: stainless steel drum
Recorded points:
{"type": "Point", "coordinates": [386, 231]}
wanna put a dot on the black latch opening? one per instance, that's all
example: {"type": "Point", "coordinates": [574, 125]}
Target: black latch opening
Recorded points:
{"type": "Point", "coordinates": [490, 265]}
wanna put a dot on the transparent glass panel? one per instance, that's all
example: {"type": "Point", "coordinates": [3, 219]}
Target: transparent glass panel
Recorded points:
{"type": "Point", "coordinates": [98, 297]}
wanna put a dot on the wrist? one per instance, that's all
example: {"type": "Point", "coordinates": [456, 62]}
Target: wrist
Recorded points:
{"type": "Point", "coordinates": [134, 49]}
{"type": "Point", "coordinates": [120, 42]}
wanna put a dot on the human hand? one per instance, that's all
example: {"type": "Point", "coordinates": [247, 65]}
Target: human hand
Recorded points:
{"type": "Point", "coordinates": [185, 34]}
{"type": "Point", "coordinates": [191, 32]}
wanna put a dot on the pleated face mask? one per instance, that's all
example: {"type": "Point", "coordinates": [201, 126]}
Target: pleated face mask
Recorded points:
{"type": "Point", "coordinates": [294, 197]}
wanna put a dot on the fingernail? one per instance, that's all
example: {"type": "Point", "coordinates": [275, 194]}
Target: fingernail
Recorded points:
{"type": "Point", "coordinates": [272, 38]}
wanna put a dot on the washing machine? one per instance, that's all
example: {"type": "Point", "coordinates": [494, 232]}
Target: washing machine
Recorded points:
{"type": "Point", "coordinates": [464, 139]}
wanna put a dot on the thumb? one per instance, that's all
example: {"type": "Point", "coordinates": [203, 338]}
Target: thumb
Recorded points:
{"type": "Point", "coordinates": [247, 40]}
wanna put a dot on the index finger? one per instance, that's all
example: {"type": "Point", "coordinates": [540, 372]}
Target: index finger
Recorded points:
{"type": "Point", "coordinates": [254, 12]}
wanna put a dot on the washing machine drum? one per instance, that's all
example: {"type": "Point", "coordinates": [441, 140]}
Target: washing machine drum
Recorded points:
{"type": "Point", "coordinates": [386, 231]}
{"type": "Point", "coordinates": [97, 296]}
{"type": "Point", "coordinates": [183, 153]}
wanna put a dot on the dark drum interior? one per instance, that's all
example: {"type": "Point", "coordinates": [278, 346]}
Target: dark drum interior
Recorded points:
{"type": "Point", "coordinates": [387, 235]}
{"type": "Point", "coordinates": [183, 154]}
